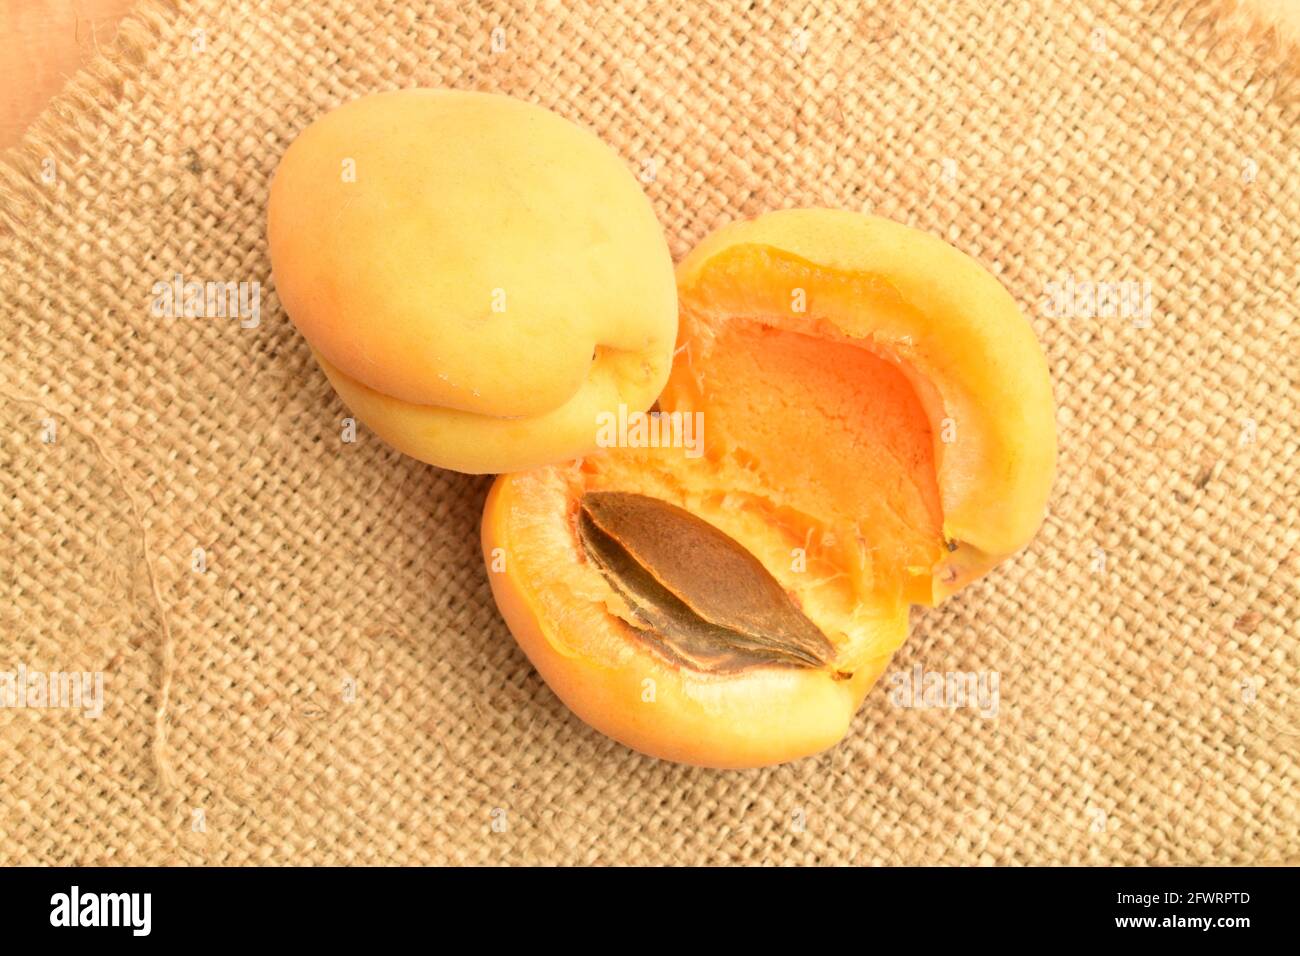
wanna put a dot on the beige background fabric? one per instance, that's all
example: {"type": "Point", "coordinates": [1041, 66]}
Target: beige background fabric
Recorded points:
{"type": "Point", "coordinates": [1146, 642]}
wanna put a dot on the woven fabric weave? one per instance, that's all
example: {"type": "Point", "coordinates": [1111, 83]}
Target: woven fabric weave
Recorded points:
{"type": "Point", "coordinates": [328, 681]}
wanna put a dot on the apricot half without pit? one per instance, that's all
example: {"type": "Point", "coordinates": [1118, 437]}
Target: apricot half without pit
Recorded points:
{"type": "Point", "coordinates": [478, 277]}
{"type": "Point", "coordinates": [878, 432]}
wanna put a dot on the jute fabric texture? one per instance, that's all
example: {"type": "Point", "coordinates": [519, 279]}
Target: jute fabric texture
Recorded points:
{"type": "Point", "coordinates": [301, 659]}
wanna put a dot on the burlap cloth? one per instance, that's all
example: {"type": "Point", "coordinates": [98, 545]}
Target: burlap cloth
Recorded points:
{"type": "Point", "coordinates": [1146, 642]}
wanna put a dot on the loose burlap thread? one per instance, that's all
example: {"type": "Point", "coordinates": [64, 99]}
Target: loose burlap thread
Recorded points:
{"type": "Point", "coordinates": [302, 661]}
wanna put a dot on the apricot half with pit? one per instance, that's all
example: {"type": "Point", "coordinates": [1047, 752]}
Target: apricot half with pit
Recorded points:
{"type": "Point", "coordinates": [878, 432]}
{"type": "Point", "coordinates": [478, 277]}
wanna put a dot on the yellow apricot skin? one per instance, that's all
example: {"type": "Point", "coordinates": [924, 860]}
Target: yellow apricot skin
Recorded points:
{"type": "Point", "coordinates": [477, 276]}
{"type": "Point", "coordinates": [930, 309]}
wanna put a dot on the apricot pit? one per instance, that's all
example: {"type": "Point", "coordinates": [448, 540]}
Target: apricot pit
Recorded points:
{"type": "Point", "coordinates": [702, 596]}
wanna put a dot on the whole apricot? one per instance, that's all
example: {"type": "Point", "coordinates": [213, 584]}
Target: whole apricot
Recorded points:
{"type": "Point", "coordinates": [478, 277]}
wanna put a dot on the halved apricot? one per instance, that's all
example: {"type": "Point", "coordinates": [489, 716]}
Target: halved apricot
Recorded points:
{"type": "Point", "coordinates": [878, 431]}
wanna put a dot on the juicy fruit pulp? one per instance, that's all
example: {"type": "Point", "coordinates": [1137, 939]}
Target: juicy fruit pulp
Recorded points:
{"type": "Point", "coordinates": [834, 437]}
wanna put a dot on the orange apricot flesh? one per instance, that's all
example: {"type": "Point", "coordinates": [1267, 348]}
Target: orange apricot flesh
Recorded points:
{"type": "Point", "coordinates": [808, 406]}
